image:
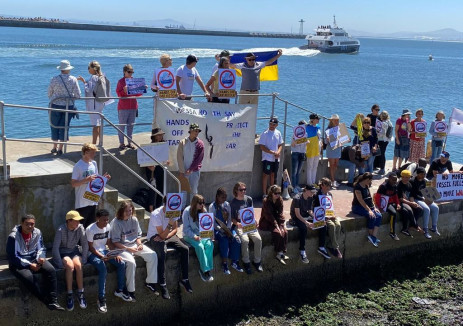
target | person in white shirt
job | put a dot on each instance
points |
(270, 143)
(186, 75)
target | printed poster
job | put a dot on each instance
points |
(299, 134)
(383, 202)
(450, 186)
(206, 225)
(95, 188)
(318, 217)
(420, 129)
(326, 201)
(441, 128)
(248, 220)
(135, 86)
(227, 83)
(165, 79)
(174, 205)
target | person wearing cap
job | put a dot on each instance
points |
(389, 189)
(26, 257)
(224, 63)
(250, 82)
(411, 211)
(313, 148)
(351, 159)
(332, 154)
(223, 54)
(190, 154)
(402, 139)
(62, 88)
(417, 141)
(270, 142)
(66, 254)
(429, 208)
(438, 138)
(440, 165)
(301, 212)
(185, 77)
(297, 159)
(85, 171)
(384, 129)
(155, 173)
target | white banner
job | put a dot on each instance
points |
(456, 122)
(227, 130)
(450, 186)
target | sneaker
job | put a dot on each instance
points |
(247, 268)
(258, 267)
(132, 296)
(208, 276)
(59, 152)
(381, 172)
(335, 184)
(435, 230)
(427, 235)
(225, 269)
(372, 240)
(54, 150)
(378, 241)
(324, 253)
(82, 301)
(203, 276)
(295, 191)
(102, 306)
(406, 233)
(152, 287)
(123, 295)
(338, 253)
(55, 306)
(394, 236)
(70, 302)
(236, 266)
(304, 259)
(121, 147)
(280, 259)
(186, 285)
(165, 292)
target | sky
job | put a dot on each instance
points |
(377, 16)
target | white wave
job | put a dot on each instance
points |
(294, 51)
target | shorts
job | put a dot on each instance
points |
(95, 119)
(270, 167)
(71, 255)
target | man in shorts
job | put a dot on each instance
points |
(270, 143)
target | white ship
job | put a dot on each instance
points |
(331, 39)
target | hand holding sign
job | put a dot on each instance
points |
(420, 129)
(95, 188)
(165, 78)
(299, 134)
(174, 205)
(248, 220)
(319, 217)
(227, 82)
(206, 225)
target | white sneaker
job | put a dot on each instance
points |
(335, 184)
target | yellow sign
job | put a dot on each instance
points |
(206, 234)
(301, 140)
(329, 213)
(227, 93)
(172, 214)
(168, 93)
(91, 196)
(249, 228)
(317, 225)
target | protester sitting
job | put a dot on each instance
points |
(239, 202)
(369, 135)
(389, 189)
(363, 205)
(351, 159)
(301, 212)
(162, 234)
(297, 158)
(413, 166)
(272, 220)
(429, 208)
(66, 254)
(97, 236)
(228, 239)
(26, 257)
(332, 224)
(437, 142)
(440, 165)
(411, 211)
(126, 235)
(204, 248)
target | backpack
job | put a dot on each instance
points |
(102, 89)
(389, 132)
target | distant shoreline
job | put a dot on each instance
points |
(138, 29)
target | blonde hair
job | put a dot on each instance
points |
(88, 147)
(127, 67)
(164, 58)
(384, 115)
(95, 65)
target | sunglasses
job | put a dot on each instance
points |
(242, 189)
(251, 59)
(201, 203)
(129, 71)
(277, 193)
(367, 123)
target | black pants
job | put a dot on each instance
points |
(392, 210)
(303, 234)
(381, 159)
(410, 216)
(49, 292)
(158, 175)
(88, 213)
(160, 247)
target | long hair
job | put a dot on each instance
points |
(222, 61)
(367, 132)
(95, 65)
(237, 186)
(278, 204)
(363, 177)
(194, 203)
(122, 207)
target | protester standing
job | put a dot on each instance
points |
(417, 140)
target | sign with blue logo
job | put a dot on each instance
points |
(165, 78)
(173, 205)
(227, 82)
(440, 127)
(318, 217)
(135, 86)
(326, 201)
(299, 134)
(248, 220)
(95, 188)
(420, 129)
(206, 225)
(383, 201)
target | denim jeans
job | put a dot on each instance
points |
(369, 163)
(436, 150)
(297, 159)
(372, 222)
(100, 266)
(348, 165)
(58, 119)
(431, 209)
(229, 247)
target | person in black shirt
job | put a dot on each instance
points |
(363, 205)
(440, 165)
(411, 211)
(389, 189)
(351, 158)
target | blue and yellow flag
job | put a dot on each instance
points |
(268, 73)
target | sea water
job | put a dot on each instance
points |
(395, 74)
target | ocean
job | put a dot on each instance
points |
(395, 74)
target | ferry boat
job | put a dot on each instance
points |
(331, 39)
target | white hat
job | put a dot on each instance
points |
(334, 117)
(65, 65)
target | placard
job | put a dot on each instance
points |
(379, 126)
(430, 193)
(318, 217)
(227, 83)
(365, 149)
(95, 189)
(450, 186)
(326, 201)
(206, 225)
(300, 134)
(420, 129)
(159, 151)
(135, 86)
(383, 202)
(337, 136)
(441, 128)
(165, 79)
(248, 220)
(174, 205)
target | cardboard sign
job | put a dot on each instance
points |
(327, 202)
(318, 217)
(135, 86)
(165, 78)
(420, 129)
(95, 188)
(383, 202)
(365, 149)
(299, 134)
(174, 205)
(206, 225)
(441, 128)
(430, 194)
(227, 82)
(337, 136)
(248, 220)
(159, 151)
(450, 186)
(379, 126)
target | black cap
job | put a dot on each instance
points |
(224, 53)
(420, 170)
(191, 58)
(310, 187)
(273, 120)
(250, 55)
(314, 116)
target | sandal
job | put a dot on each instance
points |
(130, 146)
(121, 147)
(54, 150)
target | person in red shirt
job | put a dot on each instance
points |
(389, 188)
(417, 137)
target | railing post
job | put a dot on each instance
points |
(100, 144)
(66, 131)
(323, 137)
(5, 172)
(282, 157)
(273, 104)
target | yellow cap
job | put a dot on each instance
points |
(73, 215)
(405, 173)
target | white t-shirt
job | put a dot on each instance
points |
(80, 171)
(188, 78)
(158, 218)
(271, 140)
(98, 236)
(215, 68)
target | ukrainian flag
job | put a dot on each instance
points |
(268, 73)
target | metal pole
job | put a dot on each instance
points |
(100, 143)
(323, 137)
(66, 131)
(282, 157)
(5, 174)
(273, 105)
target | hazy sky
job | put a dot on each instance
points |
(271, 15)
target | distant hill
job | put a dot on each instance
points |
(446, 34)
